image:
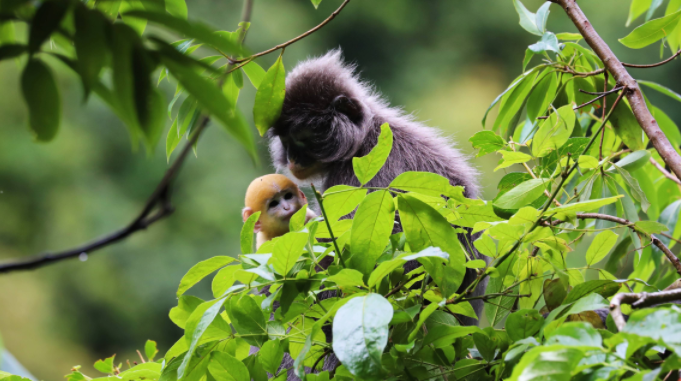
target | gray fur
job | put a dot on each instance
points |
(315, 129)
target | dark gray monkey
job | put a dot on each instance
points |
(330, 116)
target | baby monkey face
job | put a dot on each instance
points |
(281, 206)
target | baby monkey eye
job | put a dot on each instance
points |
(288, 196)
(274, 204)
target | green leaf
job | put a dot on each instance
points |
(650, 227)
(523, 323)
(316, 3)
(501, 96)
(106, 365)
(542, 96)
(426, 183)
(638, 7)
(600, 247)
(90, 41)
(443, 335)
(172, 140)
(633, 161)
(548, 42)
(512, 157)
(248, 319)
(371, 228)
(651, 32)
(347, 278)
(223, 366)
(367, 167)
(136, 23)
(247, 233)
(177, 8)
(194, 335)
(543, 16)
(213, 100)
(385, 268)
(554, 131)
(569, 36)
(487, 142)
(522, 195)
(224, 279)
(583, 206)
(40, 92)
(150, 350)
(271, 355)
(476, 264)
(667, 125)
(658, 324)
(634, 188)
(270, 97)
(360, 331)
(297, 221)
(287, 249)
(547, 363)
(255, 73)
(45, 21)
(670, 217)
(201, 270)
(664, 90)
(554, 293)
(605, 288)
(195, 30)
(627, 127)
(527, 18)
(341, 200)
(587, 162)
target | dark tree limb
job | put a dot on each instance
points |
(159, 200)
(633, 93)
(639, 300)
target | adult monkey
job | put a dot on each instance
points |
(330, 116)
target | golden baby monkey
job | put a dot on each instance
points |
(277, 198)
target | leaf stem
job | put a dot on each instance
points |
(318, 196)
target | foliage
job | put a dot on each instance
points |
(543, 288)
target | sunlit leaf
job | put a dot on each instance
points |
(366, 167)
(600, 247)
(371, 228)
(652, 31)
(270, 97)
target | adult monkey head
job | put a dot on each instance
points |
(330, 116)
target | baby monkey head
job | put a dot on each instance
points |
(323, 117)
(277, 198)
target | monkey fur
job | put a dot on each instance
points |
(330, 116)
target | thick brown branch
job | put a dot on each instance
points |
(159, 199)
(634, 95)
(639, 300)
(291, 41)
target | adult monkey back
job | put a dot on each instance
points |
(330, 116)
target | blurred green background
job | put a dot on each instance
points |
(443, 60)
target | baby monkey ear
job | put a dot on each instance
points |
(302, 197)
(347, 106)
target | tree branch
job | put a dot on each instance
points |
(291, 41)
(664, 171)
(655, 241)
(634, 95)
(639, 300)
(159, 199)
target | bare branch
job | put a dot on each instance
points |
(600, 95)
(289, 42)
(634, 95)
(159, 200)
(639, 300)
(670, 59)
(659, 244)
(664, 171)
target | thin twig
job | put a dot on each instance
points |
(159, 199)
(639, 300)
(664, 171)
(656, 241)
(602, 95)
(670, 59)
(289, 42)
